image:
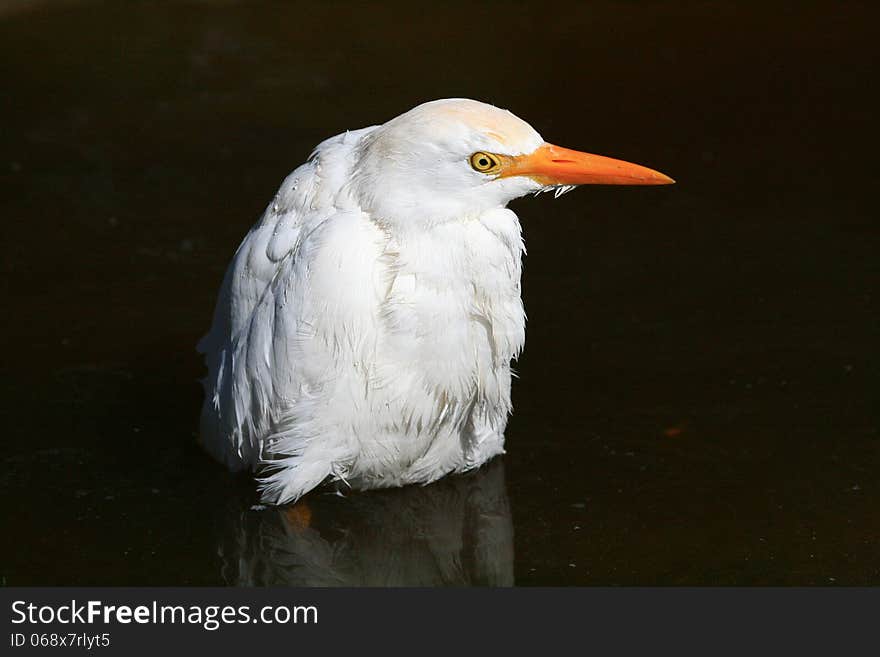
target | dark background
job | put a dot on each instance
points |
(698, 398)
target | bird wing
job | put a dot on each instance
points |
(285, 286)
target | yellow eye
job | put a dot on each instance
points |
(484, 162)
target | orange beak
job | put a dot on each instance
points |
(555, 165)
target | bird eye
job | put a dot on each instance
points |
(484, 162)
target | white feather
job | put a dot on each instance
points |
(365, 327)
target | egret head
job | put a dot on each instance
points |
(455, 158)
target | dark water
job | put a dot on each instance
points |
(698, 401)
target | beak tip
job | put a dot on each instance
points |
(662, 179)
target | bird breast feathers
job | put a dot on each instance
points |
(316, 270)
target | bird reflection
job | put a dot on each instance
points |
(455, 532)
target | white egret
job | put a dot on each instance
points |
(365, 328)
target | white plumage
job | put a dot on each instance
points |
(365, 328)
